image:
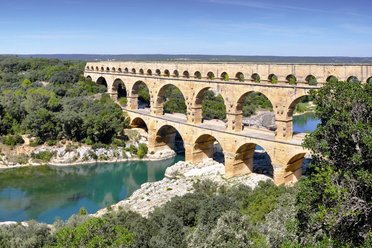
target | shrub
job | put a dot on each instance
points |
(22, 159)
(142, 150)
(123, 101)
(44, 156)
(36, 142)
(51, 142)
(133, 149)
(13, 140)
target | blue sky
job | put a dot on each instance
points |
(223, 27)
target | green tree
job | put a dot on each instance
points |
(335, 199)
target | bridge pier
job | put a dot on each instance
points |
(132, 102)
(235, 121)
(284, 129)
(196, 115)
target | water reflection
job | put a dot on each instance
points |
(44, 193)
(305, 123)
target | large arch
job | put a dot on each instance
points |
(369, 80)
(207, 146)
(353, 79)
(174, 97)
(198, 114)
(101, 81)
(293, 171)
(140, 95)
(138, 122)
(119, 89)
(168, 136)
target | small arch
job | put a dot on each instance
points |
(89, 78)
(126, 70)
(97, 69)
(101, 81)
(133, 71)
(102, 68)
(207, 146)
(331, 79)
(158, 72)
(240, 77)
(369, 80)
(113, 69)
(256, 77)
(88, 68)
(149, 72)
(141, 71)
(107, 69)
(225, 76)
(169, 136)
(197, 75)
(139, 123)
(176, 73)
(166, 73)
(291, 79)
(311, 80)
(211, 76)
(353, 79)
(186, 74)
(92, 68)
(119, 70)
(273, 78)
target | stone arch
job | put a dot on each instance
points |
(119, 89)
(186, 74)
(197, 105)
(89, 78)
(332, 78)
(141, 72)
(119, 70)
(102, 81)
(291, 79)
(273, 78)
(225, 76)
(369, 80)
(88, 68)
(162, 98)
(107, 69)
(140, 101)
(158, 72)
(211, 76)
(113, 69)
(126, 70)
(353, 79)
(149, 72)
(133, 71)
(92, 68)
(138, 122)
(97, 69)
(293, 170)
(240, 77)
(256, 77)
(197, 75)
(311, 80)
(102, 68)
(205, 146)
(176, 73)
(166, 73)
(169, 136)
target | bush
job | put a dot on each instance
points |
(36, 142)
(123, 101)
(44, 156)
(13, 140)
(133, 149)
(142, 150)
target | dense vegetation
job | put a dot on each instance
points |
(50, 100)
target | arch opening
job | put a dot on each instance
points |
(186, 74)
(256, 111)
(176, 73)
(311, 80)
(158, 72)
(353, 79)
(142, 93)
(291, 79)
(211, 76)
(119, 70)
(120, 90)
(240, 77)
(102, 83)
(149, 72)
(141, 72)
(197, 75)
(113, 69)
(207, 146)
(107, 69)
(256, 78)
(139, 123)
(273, 78)
(89, 78)
(251, 157)
(133, 71)
(225, 76)
(171, 100)
(126, 70)
(369, 80)
(295, 168)
(166, 73)
(169, 137)
(211, 106)
(332, 79)
(302, 113)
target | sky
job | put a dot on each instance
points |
(211, 27)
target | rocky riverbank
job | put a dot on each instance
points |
(178, 181)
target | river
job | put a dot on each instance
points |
(305, 123)
(46, 193)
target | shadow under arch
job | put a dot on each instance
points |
(217, 112)
(207, 146)
(138, 122)
(168, 136)
(171, 99)
(119, 88)
(140, 90)
(101, 81)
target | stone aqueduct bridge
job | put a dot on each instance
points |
(238, 143)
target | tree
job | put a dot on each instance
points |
(335, 199)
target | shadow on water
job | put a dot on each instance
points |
(46, 192)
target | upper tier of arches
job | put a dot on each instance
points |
(292, 74)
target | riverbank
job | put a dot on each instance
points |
(179, 180)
